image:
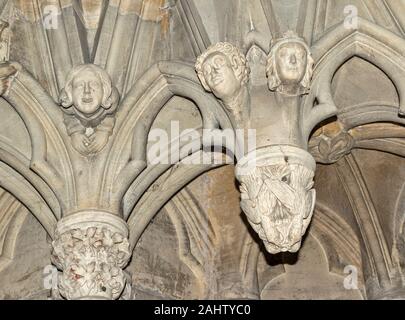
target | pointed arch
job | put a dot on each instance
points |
(138, 112)
(162, 190)
(370, 42)
(14, 183)
(43, 121)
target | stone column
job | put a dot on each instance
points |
(91, 249)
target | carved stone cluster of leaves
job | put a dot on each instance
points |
(331, 148)
(92, 260)
(278, 202)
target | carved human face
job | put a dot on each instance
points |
(220, 76)
(278, 201)
(291, 62)
(87, 92)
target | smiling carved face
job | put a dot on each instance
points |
(220, 76)
(87, 92)
(291, 63)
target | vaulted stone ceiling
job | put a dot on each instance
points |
(189, 236)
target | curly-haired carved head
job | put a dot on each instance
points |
(289, 65)
(222, 70)
(89, 91)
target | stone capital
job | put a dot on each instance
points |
(277, 195)
(91, 248)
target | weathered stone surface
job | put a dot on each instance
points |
(112, 120)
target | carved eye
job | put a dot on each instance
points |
(219, 61)
(283, 52)
(301, 54)
(95, 84)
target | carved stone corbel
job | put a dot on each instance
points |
(277, 177)
(89, 102)
(91, 248)
(277, 195)
(330, 143)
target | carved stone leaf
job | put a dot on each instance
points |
(92, 264)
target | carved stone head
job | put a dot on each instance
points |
(277, 195)
(289, 65)
(88, 92)
(222, 70)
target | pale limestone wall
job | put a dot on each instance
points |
(188, 237)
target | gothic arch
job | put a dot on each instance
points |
(17, 185)
(196, 237)
(369, 42)
(160, 192)
(12, 219)
(42, 120)
(139, 109)
(342, 243)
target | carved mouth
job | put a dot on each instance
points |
(87, 100)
